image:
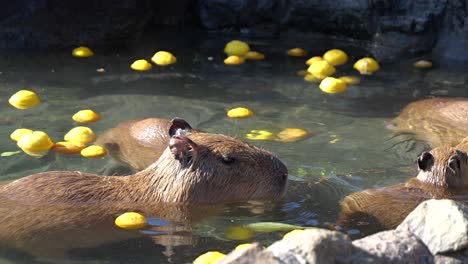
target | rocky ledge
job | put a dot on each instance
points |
(435, 232)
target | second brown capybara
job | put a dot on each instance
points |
(53, 209)
(137, 143)
(436, 121)
(443, 174)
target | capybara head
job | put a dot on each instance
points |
(445, 167)
(215, 168)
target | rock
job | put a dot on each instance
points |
(392, 247)
(454, 258)
(313, 246)
(253, 254)
(441, 224)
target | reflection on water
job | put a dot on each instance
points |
(349, 149)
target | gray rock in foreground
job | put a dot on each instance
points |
(253, 254)
(441, 224)
(313, 246)
(391, 247)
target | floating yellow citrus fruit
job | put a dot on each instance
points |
(332, 85)
(82, 135)
(234, 60)
(311, 78)
(36, 144)
(82, 52)
(253, 55)
(350, 79)
(321, 69)
(163, 58)
(93, 151)
(130, 220)
(366, 66)
(86, 116)
(239, 112)
(335, 57)
(243, 246)
(292, 134)
(314, 58)
(423, 64)
(209, 257)
(238, 233)
(65, 147)
(24, 99)
(19, 133)
(236, 47)
(296, 52)
(302, 73)
(293, 233)
(141, 65)
(260, 135)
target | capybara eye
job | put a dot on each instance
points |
(227, 159)
(454, 163)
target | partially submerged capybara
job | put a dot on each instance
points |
(437, 121)
(195, 168)
(443, 174)
(137, 143)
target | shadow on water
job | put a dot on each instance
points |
(349, 148)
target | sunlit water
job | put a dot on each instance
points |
(349, 148)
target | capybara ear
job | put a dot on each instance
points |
(183, 149)
(425, 161)
(179, 127)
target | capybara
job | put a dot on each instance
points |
(436, 121)
(443, 174)
(53, 209)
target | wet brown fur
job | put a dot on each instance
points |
(385, 208)
(437, 121)
(137, 143)
(49, 213)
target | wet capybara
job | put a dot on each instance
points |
(47, 210)
(137, 143)
(437, 121)
(443, 174)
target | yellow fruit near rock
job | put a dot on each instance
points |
(366, 66)
(292, 134)
(93, 151)
(19, 133)
(234, 60)
(65, 147)
(209, 257)
(24, 99)
(335, 57)
(130, 220)
(311, 78)
(239, 112)
(86, 116)
(141, 65)
(82, 135)
(314, 58)
(238, 233)
(423, 64)
(332, 85)
(243, 246)
(350, 79)
(260, 135)
(296, 52)
(253, 55)
(321, 69)
(293, 233)
(82, 52)
(236, 47)
(36, 144)
(163, 58)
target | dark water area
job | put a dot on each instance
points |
(349, 148)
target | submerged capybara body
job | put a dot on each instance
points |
(437, 121)
(443, 174)
(136, 143)
(198, 168)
